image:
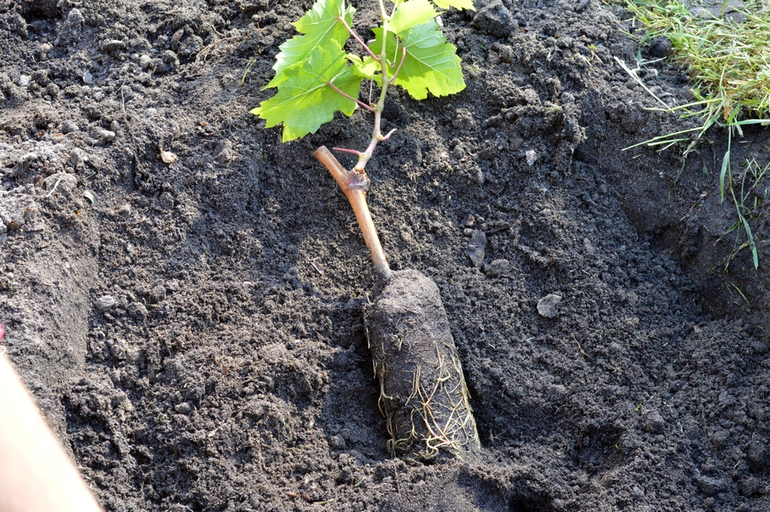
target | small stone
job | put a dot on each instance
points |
(183, 408)
(112, 45)
(168, 157)
(476, 249)
(176, 38)
(406, 233)
(52, 90)
(145, 62)
(137, 311)
(169, 58)
(75, 19)
(105, 135)
(653, 422)
(24, 80)
(76, 157)
(104, 303)
(88, 78)
(531, 156)
(497, 268)
(69, 127)
(546, 306)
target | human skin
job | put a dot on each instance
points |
(35, 472)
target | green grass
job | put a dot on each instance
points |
(728, 63)
(729, 67)
(747, 199)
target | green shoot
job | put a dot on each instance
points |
(316, 78)
(747, 204)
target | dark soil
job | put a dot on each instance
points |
(184, 294)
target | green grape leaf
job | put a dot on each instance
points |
(430, 65)
(305, 100)
(458, 4)
(411, 13)
(319, 26)
(366, 67)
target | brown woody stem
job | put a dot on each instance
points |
(354, 185)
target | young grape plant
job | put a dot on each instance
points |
(423, 393)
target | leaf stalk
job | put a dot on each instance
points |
(348, 96)
(347, 150)
(355, 36)
(395, 73)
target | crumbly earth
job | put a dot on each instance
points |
(183, 293)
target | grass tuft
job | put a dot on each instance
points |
(726, 52)
(728, 62)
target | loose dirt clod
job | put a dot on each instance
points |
(423, 394)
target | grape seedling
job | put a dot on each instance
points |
(423, 394)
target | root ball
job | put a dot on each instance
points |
(423, 394)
